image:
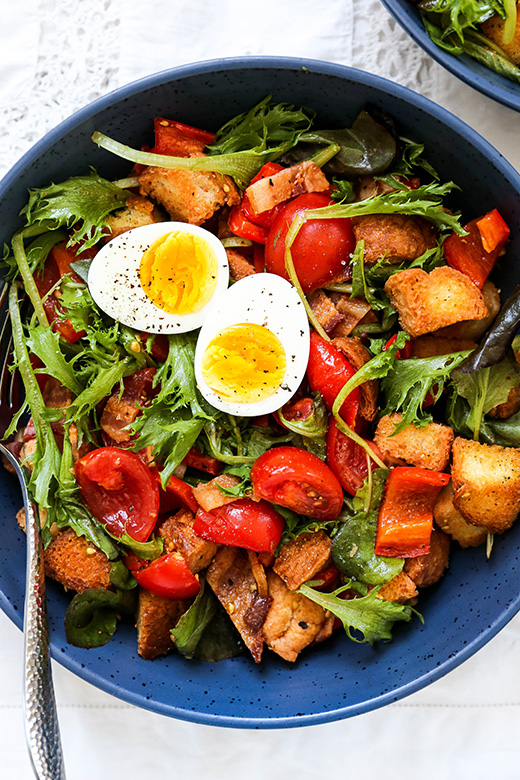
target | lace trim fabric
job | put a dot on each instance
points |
(78, 61)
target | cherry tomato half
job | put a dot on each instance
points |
(347, 459)
(327, 371)
(253, 525)
(322, 248)
(119, 490)
(298, 480)
(169, 577)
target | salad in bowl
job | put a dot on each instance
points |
(264, 413)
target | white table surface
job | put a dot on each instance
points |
(58, 56)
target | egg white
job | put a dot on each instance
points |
(115, 286)
(264, 299)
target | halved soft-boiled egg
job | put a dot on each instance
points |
(160, 278)
(253, 348)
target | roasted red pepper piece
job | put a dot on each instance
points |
(197, 460)
(244, 228)
(405, 520)
(179, 140)
(401, 354)
(328, 371)
(176, 494)
(476, 253)
(265, 218)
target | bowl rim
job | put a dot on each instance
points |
(408, 96)
(461, 67)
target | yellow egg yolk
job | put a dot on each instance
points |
(178, 272)
(244, 363)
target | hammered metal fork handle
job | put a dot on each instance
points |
(41, 717)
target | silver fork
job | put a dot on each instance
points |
(41, 717)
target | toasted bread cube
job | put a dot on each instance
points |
(426, 570)
(156, 616)
(178, 534)
(239, 266)
(486, 484)
(293, 621)
(494, 29)
(136, 212)
(189, 196)
(76, 563)
(268, 192)
(400, 589)
(394, 237)
(452, 522)
(426, 302)
(427, 448)
(474, 329)
(302, 558)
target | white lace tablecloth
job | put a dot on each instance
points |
(58, 55)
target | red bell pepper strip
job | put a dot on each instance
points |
(177, 139)
(264, 218)
(243, 227)
(56, 266)
(401, 354)
(176, 494)
(197, 460)
(476, 253)
(328, 370)
(405, 520)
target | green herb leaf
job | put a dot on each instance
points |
(81, 202)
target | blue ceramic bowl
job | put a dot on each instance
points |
(473, 601)
(466, 68)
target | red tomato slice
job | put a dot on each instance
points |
(169, 577)
(253, 525)
(347, 459)
(322, 248)
(119, 490)
(298, 480)
(328, 371)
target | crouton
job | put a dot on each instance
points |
(325, 311)
(426, 570)
(494, 29)
(400, 589)
(427, 302)
(239, 266)
(395, 237)
(189, 196)
(357, 355)
(178, 534)
(433, 346)
(293, 621)
(156, 616)
(474, 329)
(268, 192)
(231, 578)
(302, 558)
(208, 494)
(486, 484)
(428, 447)
(76, 563)
(136, 213)
(452, 522)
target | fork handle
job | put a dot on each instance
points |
(41, 717)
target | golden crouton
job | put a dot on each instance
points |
(486, 483)
(239, 266)
(136, 212)
(426, 570)
(357, 355)
(474, 329)
(394, 237)
(76, 563)
(400, 589)
(494, 29)
(426, 302)
(156, 616)
(189, 196)
(452, 522)
(268, 192)
(178, 534)
(433, 346)
(302, 558)
(427, 448)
